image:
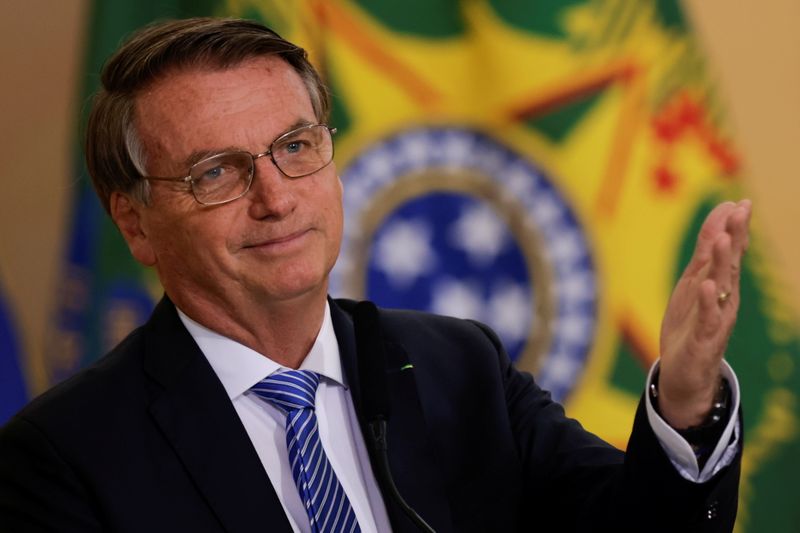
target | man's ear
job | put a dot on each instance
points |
(127, 215)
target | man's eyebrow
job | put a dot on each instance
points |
(300, 123)
(297, 124)
(199, 155)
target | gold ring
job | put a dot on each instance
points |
(723, 297)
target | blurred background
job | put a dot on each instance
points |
(541, 166)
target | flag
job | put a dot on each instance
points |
(541, 166)
(104, 293)
(13, 390)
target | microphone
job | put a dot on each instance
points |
(371, 356)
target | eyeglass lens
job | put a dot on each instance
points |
(227, 176)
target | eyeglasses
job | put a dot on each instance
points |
(224, 177)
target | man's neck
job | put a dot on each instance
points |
(284, 331)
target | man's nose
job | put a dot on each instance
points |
(272, 193)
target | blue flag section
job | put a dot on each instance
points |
(449, 220)
(13, 392)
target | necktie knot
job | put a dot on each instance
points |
(290, 390)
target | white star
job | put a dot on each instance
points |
(379, 166)
(509, 312)
(559, 370)
(576, 288)
(416, 148)
(546, 210)
(456, 149)
(355, 194)
(575, 329)
(480, 233)
(456, 298)
(404, 252)
(519, 182)
(490, 160)
(567, 247)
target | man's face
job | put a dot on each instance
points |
(277, 242)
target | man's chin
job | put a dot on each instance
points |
(293, 290)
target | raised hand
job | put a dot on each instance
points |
(700, 317)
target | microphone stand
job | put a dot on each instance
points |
(375, 401)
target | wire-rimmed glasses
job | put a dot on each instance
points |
(226, 176)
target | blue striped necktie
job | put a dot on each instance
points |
(326, 503)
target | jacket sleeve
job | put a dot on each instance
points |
(585, 484)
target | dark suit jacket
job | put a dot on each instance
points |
(146, 440)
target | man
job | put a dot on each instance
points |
(208, 147)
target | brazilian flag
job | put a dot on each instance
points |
(541, 166)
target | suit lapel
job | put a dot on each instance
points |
(411, 458)
(196, 416)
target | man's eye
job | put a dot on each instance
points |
(213, 173)
(218, 172)
(293, 147)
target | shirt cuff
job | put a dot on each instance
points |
(680, 452)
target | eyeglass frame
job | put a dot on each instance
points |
(188, 179)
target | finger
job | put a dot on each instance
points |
(748, 206)
(709, 316)
(720, 269)
(738, 228)
(714, 224)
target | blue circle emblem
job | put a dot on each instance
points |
(450, 220)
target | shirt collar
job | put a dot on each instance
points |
(239, 367)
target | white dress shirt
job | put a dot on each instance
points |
(680, 452)
(239, 368)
